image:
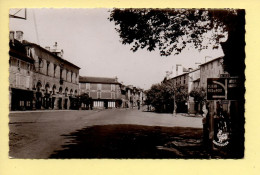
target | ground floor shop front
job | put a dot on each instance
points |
(21, 99)
(106, 103)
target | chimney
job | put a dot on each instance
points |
(11, 37)
(19, 35)
(61, 53)
(177, 69)
(190, 69)
(55, 45)
(48, 48)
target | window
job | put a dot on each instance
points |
(71, 74)
(76, 78)
(40, 64)
(18, 64)
(54, 73)
(88, 86)
(66, 74)
(113, 87)
(98, 86)
(113, 95)
(28, 66)
(61, 73)
(28, 52)
(47, 68)
(82, 86)
(98, 94)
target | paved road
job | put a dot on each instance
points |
(46, 134)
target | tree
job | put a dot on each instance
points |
(161, 97)
(172, 30)
(198, 94)
(85, 99)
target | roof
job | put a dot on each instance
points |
(103, 80)
(17, 49)
(211, 60)
(180, 75)
(198, 79)
(45, 50)
(195, 70)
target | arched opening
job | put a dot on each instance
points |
(38, 86)
(53, 96)
(71, 92)
(38, 95)
(47, 99)
(54, 89)
(60, 90)
(47, 88)
(60, 99)
(66, 99)
(66, 91)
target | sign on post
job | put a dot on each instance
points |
(222, 88)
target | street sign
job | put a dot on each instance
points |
(222, 88)
(224, 75)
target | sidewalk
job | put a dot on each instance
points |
(50, 110)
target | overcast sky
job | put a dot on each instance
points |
(90, 41)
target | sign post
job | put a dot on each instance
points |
(224, 90)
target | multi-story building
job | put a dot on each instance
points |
(55, 79)
(52, 79)
(193, 84)
(131, 96)
(211, 69)
(105, 92)
(178, 81)
(20, 74)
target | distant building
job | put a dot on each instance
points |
(194, 83)
(105, 92)
(178, 81)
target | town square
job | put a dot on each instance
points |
(126, 83)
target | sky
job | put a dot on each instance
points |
(89, 40)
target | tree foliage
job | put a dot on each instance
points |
(172, 30)
(160, 96)
(198, 94)
(85, 99)
(181, 93)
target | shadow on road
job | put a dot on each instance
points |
(133, 141)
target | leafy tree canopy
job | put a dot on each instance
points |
(199, 94)
(172, 30)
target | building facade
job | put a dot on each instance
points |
(20, 75)
(55, 79)
(211, 69)
(105, 92)
(193, 84)
(181, 81)
(52, 80)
